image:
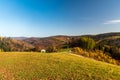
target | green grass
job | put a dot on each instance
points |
(54, 66)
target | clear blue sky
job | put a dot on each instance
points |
(58, 17)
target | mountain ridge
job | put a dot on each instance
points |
(112, 38)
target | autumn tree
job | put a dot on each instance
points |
(87, 43)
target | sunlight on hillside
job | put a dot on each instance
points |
(59, 66)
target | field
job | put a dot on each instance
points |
(54, 66)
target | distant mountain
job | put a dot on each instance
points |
(36, 43)
(59, 40)
(19, 38)
(39, 43)
(9, 44)
(104, 35)
(110, 39)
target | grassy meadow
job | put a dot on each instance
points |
(54, 66)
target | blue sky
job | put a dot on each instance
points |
(41, 18)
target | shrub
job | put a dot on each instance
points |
(83, 42)
(52, 49)
(77, 50)
(98, 55)
(115, 52)
(87, 43)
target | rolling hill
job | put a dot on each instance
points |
(40, 43)
(106, 39)
(36, 43)
(54, 66)
(9, 44)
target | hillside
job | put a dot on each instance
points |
(57, 66)
(36, 43)
(40, 43)
(105, 35)
(111, 39)
(9, 44)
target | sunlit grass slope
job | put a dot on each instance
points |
(54, 66)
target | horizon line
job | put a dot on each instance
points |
(56, 35)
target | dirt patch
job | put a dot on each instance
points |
(76, 55)
(6, 74)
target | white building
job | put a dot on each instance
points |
(43, 51)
